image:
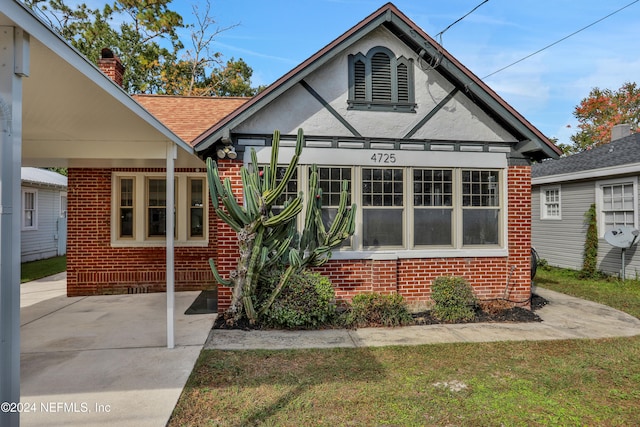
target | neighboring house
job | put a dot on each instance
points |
(438, 164)
(43, 214)
(563, 191)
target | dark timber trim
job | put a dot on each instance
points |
(431, 113)
(329, 108)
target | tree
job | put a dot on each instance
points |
(144, 25)
(602, 110)
(146, 41)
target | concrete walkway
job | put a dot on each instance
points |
(564, 317)
(102, 360)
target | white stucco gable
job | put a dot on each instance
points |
(383, 81)
(458, 119)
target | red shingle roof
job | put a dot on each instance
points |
(189, 116)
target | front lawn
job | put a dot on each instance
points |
(568, 383)
(45, 267)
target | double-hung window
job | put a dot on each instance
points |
(550, 207)
(29, 209)
(433, 207)
(139, 209)
(480, 207)
(616, 203)
(383, 207)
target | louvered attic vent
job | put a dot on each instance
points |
(378, 81)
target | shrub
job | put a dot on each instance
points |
(454, 299)
(378, 310)
(308, 301)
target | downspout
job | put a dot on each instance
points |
(170, 207)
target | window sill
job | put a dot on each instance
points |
(157, 244)
(396, 107)
(423, 253)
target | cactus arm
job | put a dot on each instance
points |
(275, 147)
(211, 176)
(229, 220)
(274, 193)
(288, 213)
(234, 209)
(216, 274)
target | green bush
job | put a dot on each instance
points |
(377, 310)
(308, 301)
(454, 299)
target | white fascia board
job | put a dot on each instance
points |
(587, 174)
(37, 29)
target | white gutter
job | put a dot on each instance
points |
(587, 174)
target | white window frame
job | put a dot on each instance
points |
(140, 223)
(408, 159)
(64, 205)
(600, 200)
(544, 203)
(34, 216)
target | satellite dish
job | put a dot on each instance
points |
(622, 237)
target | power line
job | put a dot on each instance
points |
(460, 19)
(558, 41)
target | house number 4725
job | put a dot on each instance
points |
(383, 158)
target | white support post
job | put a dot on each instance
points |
(14, 64)
(171, 154)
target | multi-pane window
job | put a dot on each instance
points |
(156, 207)
(29, 209)
(139, 209)
(550, 203)
(380, 81)
(480, 207)
(330, 181)
(382, 207)
(433, 207)
(290, 192)
(618, 205)
(125, 209)
(196, 207)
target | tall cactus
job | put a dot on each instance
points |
(267, 239)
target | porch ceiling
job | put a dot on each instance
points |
(75, 116)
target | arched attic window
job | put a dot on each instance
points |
(379, 81)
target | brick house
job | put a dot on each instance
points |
(438, 164)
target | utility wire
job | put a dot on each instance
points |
(556, 42)
(460, 19)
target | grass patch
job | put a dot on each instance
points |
(529, 383)
(611, 291)
(42, 268)
(577, 382)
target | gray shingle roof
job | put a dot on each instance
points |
(623, 151)
(42, 177)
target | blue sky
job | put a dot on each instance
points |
(274, 36)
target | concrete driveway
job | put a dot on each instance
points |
(102, 360)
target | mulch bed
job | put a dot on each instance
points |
(497, 311)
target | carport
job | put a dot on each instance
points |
(58, 109)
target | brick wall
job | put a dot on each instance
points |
(94, 267)
(491, 277)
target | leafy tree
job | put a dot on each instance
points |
(600, 111)
(144, 25)
(146, 40)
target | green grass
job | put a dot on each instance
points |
(624, 296)
(46, 267)
(568, 383)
